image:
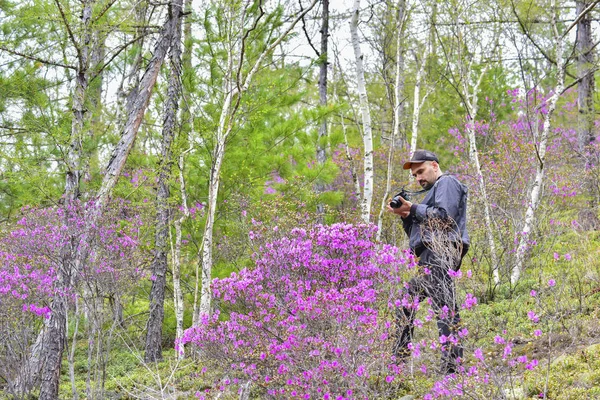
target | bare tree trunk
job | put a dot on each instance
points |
(472, 107)
(77, 125)
(72, 353)
(367, 193)
(136, 112)
(186, 124)
(585, 102)
(534, 196)
(55, 336)
(53, 348)
(177, 292)
(153, 349)
(398, 107)
(321, 153)
(417, 103)
(129, 85)
(586, 87)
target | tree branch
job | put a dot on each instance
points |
(576, 81)
(306, 33)
(579, 17)
(33, 58)
(69, 31)
(243, 49)
(104, 10)
(526, 32)
(116, 53)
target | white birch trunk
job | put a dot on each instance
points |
(367, 194)
(207, 239)
(176, 257)
(235, 89)
(474, 157)
(536, 189)
(417, 105)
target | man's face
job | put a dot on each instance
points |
(426, 173)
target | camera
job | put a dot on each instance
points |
(396, 202)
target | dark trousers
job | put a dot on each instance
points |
(438, 285)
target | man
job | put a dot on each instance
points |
(438, 236)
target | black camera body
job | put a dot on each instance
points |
(396, 202)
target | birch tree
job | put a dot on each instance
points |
(323, 66)
(176, 257)
(367, 192)
(238, 74)
(467, 83)
(541, 138)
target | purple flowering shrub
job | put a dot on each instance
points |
(312, 319)
(508, 157)
(46, 239)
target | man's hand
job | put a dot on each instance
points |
(403, 210)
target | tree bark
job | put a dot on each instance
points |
(71, 357)
(153, 349)
(367, 193)
(74, 156)
(54, 337)
(585, 102)
(585, 89)
(398, 107)
(536, 188)
(136, 112)
(186, 124)
(472, 108)
(321, 152)
(54, 345)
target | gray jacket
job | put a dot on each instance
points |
(446, 201)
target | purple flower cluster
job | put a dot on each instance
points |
(47, 239)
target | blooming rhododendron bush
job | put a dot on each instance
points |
(30, 253)
(311, 319)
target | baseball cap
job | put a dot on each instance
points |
(420, 156)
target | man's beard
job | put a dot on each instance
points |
(426, 185)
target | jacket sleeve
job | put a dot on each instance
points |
(446, 202)
(407, 224)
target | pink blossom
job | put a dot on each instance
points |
(478, 354)
(533, 316)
